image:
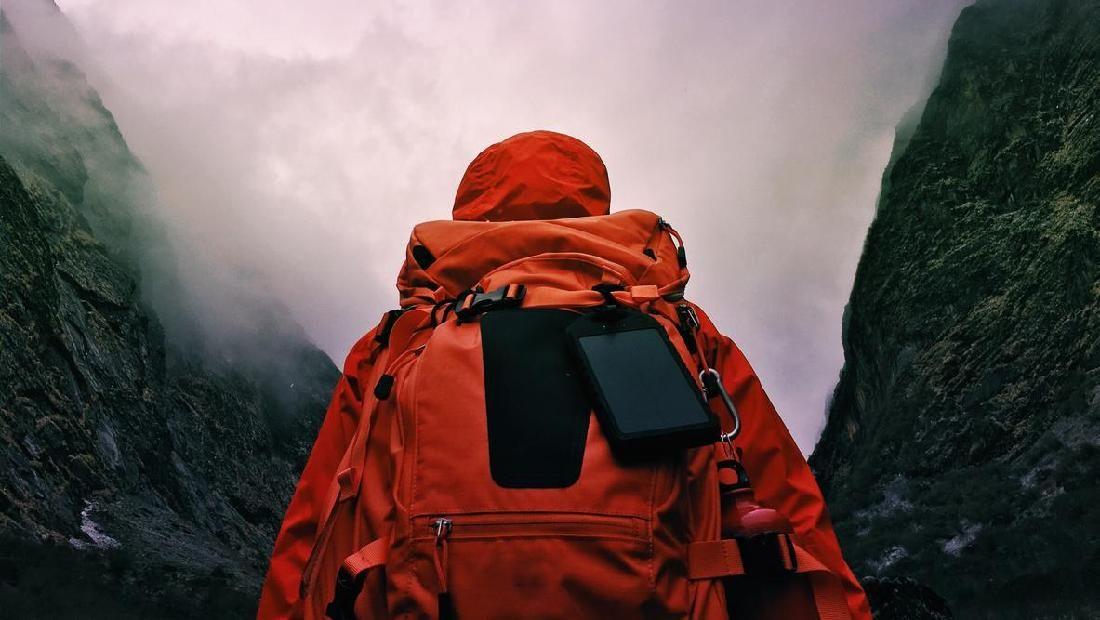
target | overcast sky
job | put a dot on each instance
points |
(295, 144)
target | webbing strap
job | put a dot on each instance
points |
(350, 470)
(723, 558)
(543, 296)
(402, 333)
(551, 297)
(713, 559)
(829, 597)
(371, 555)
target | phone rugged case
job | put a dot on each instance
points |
(645, 398)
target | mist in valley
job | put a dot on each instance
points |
(289, 148)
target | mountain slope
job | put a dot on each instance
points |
(963, 441)
(142, 475)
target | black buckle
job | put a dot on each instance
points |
(768, 554)
(610, 311)
(507, 296)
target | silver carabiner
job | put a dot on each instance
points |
(715, 385)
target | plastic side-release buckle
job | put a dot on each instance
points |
(507, 296)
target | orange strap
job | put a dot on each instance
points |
(722, 558)
(371, 555)
(542, 296)
(551, 297)
(829, 597)
(346, 484)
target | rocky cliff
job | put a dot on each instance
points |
(963, 440)
(142, 474)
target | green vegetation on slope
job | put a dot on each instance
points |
(139, 475)
(963, 441)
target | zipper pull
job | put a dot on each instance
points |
(441, 527)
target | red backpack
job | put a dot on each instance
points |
(475, 482)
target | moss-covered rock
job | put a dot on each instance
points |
(961, 443)
(139, 476)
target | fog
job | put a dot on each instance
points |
(292, 146)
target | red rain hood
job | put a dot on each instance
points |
(538, 175)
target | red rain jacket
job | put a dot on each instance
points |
(546, 175)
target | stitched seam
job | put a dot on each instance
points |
(652, 525)
(727, 563)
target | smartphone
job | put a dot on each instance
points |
(646, 400)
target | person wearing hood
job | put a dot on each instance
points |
(555, 185)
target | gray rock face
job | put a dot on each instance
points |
(963, 441)
(140, 476)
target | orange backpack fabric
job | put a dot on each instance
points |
(397, 515)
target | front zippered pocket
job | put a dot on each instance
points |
(532, 524)
(550, 564)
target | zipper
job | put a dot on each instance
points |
(529, 525)
(441, 528)
(444, 529)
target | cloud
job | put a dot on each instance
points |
(294, 145)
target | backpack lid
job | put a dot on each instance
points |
(445, 258)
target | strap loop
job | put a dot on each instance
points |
(644, 292)
(371, 555)
(346, 480)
